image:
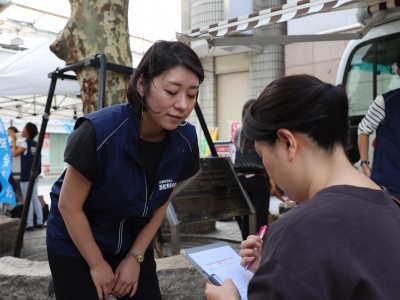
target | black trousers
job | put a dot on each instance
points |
(72, 280)
(258, 189)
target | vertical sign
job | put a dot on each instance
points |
(7, 193)
(234, 126)
(204, 149)
(46, 154)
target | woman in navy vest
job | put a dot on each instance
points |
(123, 163)
(27, 151)
(383, 118)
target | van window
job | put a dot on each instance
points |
(371, 72)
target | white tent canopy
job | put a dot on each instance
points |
(24, 85)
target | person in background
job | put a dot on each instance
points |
(123, 164)
(342, 241)
(16, 162)
(255, 181)
(26, 151)
(383, 117)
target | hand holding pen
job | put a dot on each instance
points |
(251, 247)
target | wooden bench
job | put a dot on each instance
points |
(214, 193)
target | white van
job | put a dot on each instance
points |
(368, 69)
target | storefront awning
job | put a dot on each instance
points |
(280, 14)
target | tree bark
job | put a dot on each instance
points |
(3, 7)
(97, 27)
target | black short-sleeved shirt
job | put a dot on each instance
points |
(81, 154)
(81, 150)
(342, 244)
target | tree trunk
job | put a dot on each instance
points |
(3, 6)
(97, 27)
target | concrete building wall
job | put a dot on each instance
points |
(264, 63)
(203, 13)
(232, 76)
(320, 59)
(269, 64)
(265, 67)
(207, 96)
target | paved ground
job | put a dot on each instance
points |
(34, 245)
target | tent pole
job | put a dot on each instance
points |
(35, 164)
(102, 79)
(205, 130)
(46, 115)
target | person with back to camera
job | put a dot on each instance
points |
(342, 241)
(383, 117)
(254, 179)
(26, 150)
(123, 163)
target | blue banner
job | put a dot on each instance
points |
(7, 194)
(68, 125)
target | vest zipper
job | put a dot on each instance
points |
(145, 209)
(120, 231)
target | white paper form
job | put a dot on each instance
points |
(223, 262)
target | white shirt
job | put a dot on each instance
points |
(16, 160)
(374, 116)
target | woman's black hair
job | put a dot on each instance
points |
(160, 57)
(13, 128)
(301, 103)
(246, 106)
(31, 129)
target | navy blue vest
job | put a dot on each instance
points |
(27, 160)
(119, 204)
(386, 164)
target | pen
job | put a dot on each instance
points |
(214, 279)
(260, 234)
(279, 196)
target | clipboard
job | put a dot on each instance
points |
(217, 262)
